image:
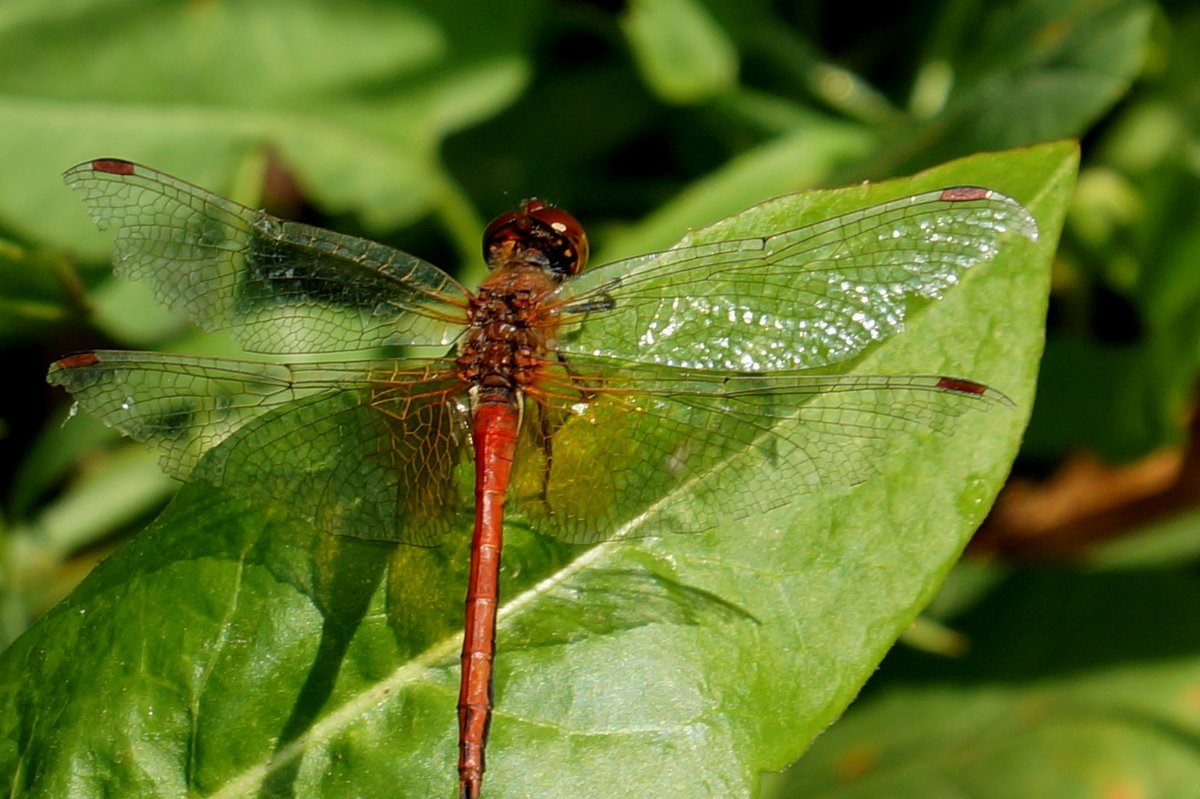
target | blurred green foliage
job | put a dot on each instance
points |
(415, 122)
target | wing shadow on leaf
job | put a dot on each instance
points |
(617, 600)
(346, 574)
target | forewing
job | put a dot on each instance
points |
(278, 287)
(667, 455)
(366, 449)
(799, 298)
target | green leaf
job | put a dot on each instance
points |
(1076, 686)
(1034, 71)
(33, 290)
(682, 53)
(782, 165)
(231, 651)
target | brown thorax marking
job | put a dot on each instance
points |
(510, 331)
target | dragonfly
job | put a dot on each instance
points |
(574, 397)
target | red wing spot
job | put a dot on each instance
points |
(963, 193)
(77, 360)
(114, 165)
(962, 386)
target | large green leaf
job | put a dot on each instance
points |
(230, 651)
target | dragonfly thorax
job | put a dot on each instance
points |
(510, 329)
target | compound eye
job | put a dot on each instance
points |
(568, 245)
(537, 234)
(497, 229)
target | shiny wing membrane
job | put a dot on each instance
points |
(662, 456)
(279, 287)
(370, 449)
(800, 298)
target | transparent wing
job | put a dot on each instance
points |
(648, 450)
(370, 449)
(279, 287)
(796, 299)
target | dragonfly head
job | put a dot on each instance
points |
(536, 235)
